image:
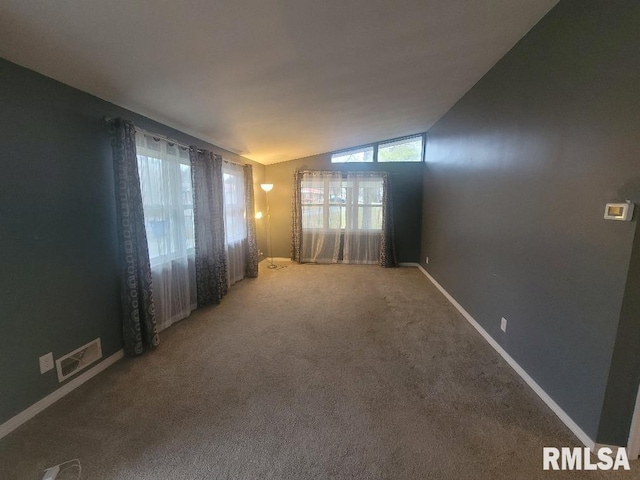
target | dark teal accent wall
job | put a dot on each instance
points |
(517, 177)
(58, 251)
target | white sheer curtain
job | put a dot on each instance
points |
(363, 230)
(165, 181)
(322, 198)
(235, 222)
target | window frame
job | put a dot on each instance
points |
(327, 204)
(237, 207)
(376, 146)
(178, 210)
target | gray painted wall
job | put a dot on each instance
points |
(624, 376)
(58, 252)
(406, 182)
(517, 176)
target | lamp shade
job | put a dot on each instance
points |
(266, 186)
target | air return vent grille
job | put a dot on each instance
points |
(78, 360)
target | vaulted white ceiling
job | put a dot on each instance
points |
(272, 80)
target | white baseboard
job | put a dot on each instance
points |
(633, 445)
(13, 423)
(598, 446)
(562, 415)
(276, 259)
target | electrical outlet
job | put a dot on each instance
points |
(427, 260)
(46, 362)
(503, 324)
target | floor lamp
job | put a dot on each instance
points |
(267, 187)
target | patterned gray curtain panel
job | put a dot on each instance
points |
(388, 244)
(208, 213)
(139, 321)
(296, 218)
(252, 243)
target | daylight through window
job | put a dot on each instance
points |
(167, 197)
(331, 203)
(405, 149)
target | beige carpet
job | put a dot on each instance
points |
(308, 372)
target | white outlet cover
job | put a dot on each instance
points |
(503, 324)
(46, 362)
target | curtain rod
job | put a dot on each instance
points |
(344, 173)
(234, 163)
(161, 137)
(175, 142)
(172, 141)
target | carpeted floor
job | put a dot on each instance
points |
(308, 372)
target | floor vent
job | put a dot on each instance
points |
(78, 360)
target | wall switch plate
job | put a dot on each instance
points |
(46, 362)
(503, 324)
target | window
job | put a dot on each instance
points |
(355, 155)
(235, 221)
(323, 202)
(402, 150)
(234, 208)
(367, 204)
(405, 149)
(334, 203)
(340, 217)
(167, 198)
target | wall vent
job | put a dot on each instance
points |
(78, 360)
